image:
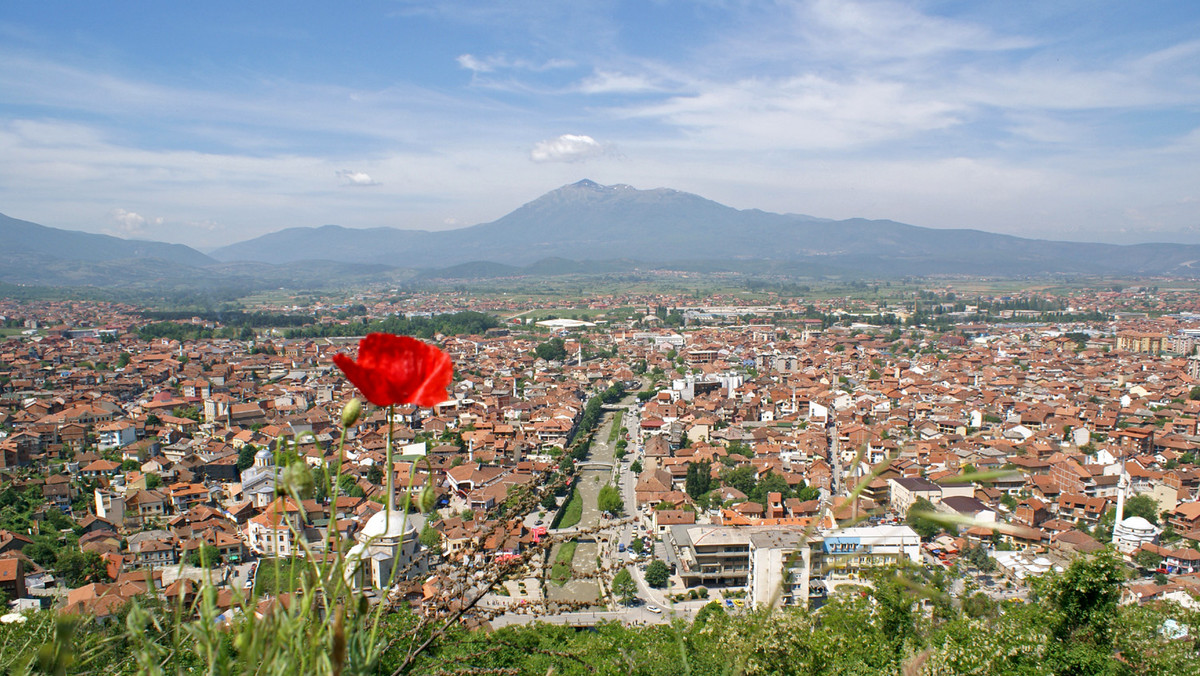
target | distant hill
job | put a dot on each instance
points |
(586, 221)
(31, 239)
(582, 228)
(35, 254)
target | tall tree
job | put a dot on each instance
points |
(624, 587)
(1083, 614)
(205, 556)
(699, 478)
(741, 478)
(552, 350)
(770, 483)
(246, 457)
(431, 538)
(610, 500)
(657, 574)
(927, 528)
(80, 568)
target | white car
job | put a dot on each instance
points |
(654, 609)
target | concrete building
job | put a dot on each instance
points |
(905, 491)
(110, 506)
(1138, 341)
(713, 556)
(780, 565)
(274, 531)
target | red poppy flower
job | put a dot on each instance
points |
(398, 370)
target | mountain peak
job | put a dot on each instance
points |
(587, 184)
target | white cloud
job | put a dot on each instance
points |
(130, 223)
(356, 178)
(566, 148)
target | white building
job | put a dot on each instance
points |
(779, 568)
(110, 506)
(1132, 533)
(781, 565)
(387, 551)
(115, 435)
(258, 480)
(848, 551)
(273, 533)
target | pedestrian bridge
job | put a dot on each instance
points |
(591, 531)
(579, 620)
(594, 464)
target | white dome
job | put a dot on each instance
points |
(1137, 523)
(383, 525)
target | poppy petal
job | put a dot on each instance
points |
(398, 370)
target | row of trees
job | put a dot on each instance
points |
(458, 323)
(593, 411)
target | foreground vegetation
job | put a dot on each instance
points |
(900, 625)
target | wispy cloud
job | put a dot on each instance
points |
(496, 62)
(604, 82)
(890, 30)
(803, 112)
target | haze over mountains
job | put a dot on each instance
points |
(587, 227)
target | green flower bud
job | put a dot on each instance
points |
(350, 412)
(244, 641)
(426, 499)
(298, 478)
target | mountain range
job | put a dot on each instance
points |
(588, 227)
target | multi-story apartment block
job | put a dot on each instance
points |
(1140, 341)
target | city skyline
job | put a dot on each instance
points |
(206, 126)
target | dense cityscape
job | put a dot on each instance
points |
(628, 459)
(600, 338)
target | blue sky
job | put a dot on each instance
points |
(208, 123)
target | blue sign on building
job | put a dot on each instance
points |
(841, 544)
